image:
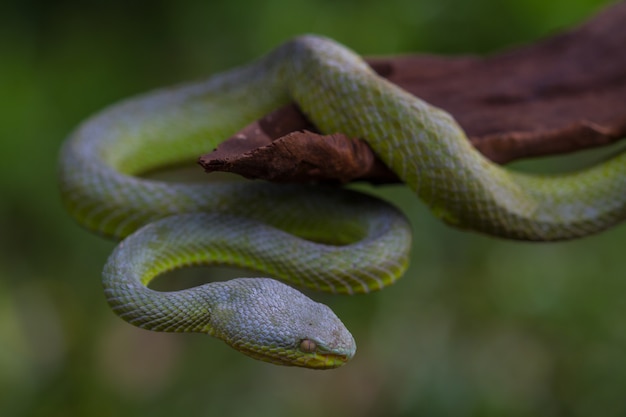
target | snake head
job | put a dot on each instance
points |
(272, 322)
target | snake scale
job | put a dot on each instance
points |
(323, 238)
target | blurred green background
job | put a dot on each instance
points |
(477, 327)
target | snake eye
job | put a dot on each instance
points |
(308, 346)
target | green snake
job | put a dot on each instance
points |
(328, 239)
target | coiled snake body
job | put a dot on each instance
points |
(326, 239)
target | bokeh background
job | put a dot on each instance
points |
(477, 327)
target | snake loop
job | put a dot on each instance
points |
(326, 239)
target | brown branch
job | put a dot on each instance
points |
(559, 95)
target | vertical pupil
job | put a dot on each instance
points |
(307, 346)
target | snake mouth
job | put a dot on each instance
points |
(316, 360)
(324, 360)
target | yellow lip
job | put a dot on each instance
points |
(317, 360)
(323, 360)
